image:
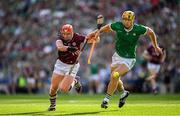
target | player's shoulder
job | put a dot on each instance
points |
(139, 26)
(78, 35)
(117, 23)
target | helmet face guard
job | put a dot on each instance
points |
(67, 28)
(128, 15)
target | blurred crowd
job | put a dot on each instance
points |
(29, 29)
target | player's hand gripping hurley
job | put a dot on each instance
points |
(100, 21)
(82, 48)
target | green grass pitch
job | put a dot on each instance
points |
(89, 105)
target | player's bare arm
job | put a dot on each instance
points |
(163, 56)
(106, 28)
(91, 37)
(60, 46)
(146, 55)
(153, 38)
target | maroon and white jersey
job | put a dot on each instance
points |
(156, 59)
(67, 56)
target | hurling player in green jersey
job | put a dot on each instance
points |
(124, 58)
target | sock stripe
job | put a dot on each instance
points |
(53, 96)
(52, 99)
(108, 96)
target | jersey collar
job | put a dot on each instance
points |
(128, 30)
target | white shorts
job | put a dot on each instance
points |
(129, 62)
(63, 69)
(31, 81)
(94, 77)
(155, 67)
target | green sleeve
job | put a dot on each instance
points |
(142, 29)
(115, 26)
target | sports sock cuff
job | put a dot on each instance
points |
(108, 96)
(52, 96)
(106, 99)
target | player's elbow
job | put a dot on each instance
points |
(150, 31)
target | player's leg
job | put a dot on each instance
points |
(93, 83)
(152, 80)
(71, 80)
(124, 92)
(112, 86)
(56, 79)
(123, 66)
(153, 70)
(66, 83)
(122, 69)
(76, 83)
(120, 86)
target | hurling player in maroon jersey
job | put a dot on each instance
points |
(154, 62)
(68, 46)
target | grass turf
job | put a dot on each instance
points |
(137, 105)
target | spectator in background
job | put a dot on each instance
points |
(94, 79)
(31, 83)
(154, 62)
(4, 83)
(22, 84)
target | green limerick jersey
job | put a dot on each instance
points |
(126, 41)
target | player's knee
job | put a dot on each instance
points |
(115, 75)
(52, 91)
(63, 89)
